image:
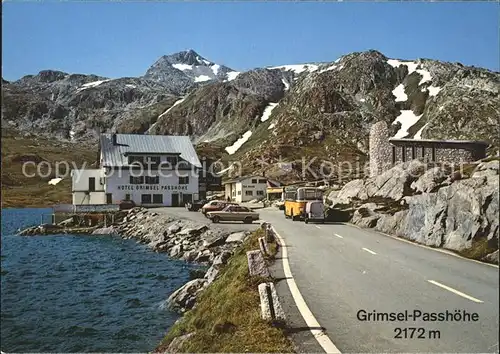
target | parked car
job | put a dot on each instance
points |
(315, 211)
(126, 204)
(195, 205)
(215, 205)
(234, 213)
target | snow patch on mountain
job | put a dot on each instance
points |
(202, 78)
(183, 67)
(175, 104)
(426, 76)
(433, 90)
(296, 68)
(407, 119)
(418, 135)
(287, 85)
(267, 112)
(411, 65)
(92, 84)
(238, 143)
(215, 68)
(400, 94)
(329, 68)
(232, 75)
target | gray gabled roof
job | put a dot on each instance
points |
(114, 155)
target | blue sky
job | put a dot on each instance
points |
(117, 39)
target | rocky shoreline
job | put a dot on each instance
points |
(437, 206)
(204, 244)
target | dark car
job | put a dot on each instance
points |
(126, 204)
(196, 205)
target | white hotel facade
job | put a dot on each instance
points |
(151, 170)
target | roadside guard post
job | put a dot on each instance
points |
(270, 306)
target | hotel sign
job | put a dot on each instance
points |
(153, 187)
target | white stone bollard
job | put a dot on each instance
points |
(270, 306)
(257, 264)
(263, 246)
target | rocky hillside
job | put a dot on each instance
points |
(268, 117)
(77, 106)
(434, 206)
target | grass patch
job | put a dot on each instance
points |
(19, 190)
(226, 318)
(480, 248)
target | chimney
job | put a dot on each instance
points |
(113, 139)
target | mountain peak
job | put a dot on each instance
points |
(187, 66)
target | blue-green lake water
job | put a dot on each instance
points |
(81, 293)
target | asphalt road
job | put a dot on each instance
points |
(183, 213)
(341, 270)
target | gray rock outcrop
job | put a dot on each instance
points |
(429, 207)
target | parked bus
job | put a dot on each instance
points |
(296, 199)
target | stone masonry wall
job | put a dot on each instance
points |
(380, 149)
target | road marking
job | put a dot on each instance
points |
(338, 236)
(450, 253)
(322, 338)
(454, 291)
(317, 227)
(367, 250)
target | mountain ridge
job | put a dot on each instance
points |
(271, 113)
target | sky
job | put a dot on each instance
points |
(119, 39)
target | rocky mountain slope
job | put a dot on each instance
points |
(77, 106)
(268, 117)
(435, 206)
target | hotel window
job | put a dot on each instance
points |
(184, 180)
(262, 181)
(135, 160)
(152, 179)
(403, 153)
(250, 193)
(423, 152)
(136, 179)
(153, 161)
(239, 192)
(145, 198)
(260, 192)
(157, 198)
(172, 160)
(254, 181)
(127, 196)
(413, 152)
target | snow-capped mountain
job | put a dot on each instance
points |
(187, 67)
(274, 114)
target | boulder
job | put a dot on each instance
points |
(366, 216)
(184, 298)
(176, 251)
(211, 274)
(491, 258)
(237, 237)
(176, 344)
(431, 180)
(214, 241)
(222, 258)
(174, 228)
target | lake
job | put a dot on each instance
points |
(81, 293)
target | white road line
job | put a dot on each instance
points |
(454, 291)
(367, 250)
(317, 227)
(440, 250)
(338, 236)
(322, 338)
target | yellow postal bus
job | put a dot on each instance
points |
(296, 199)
